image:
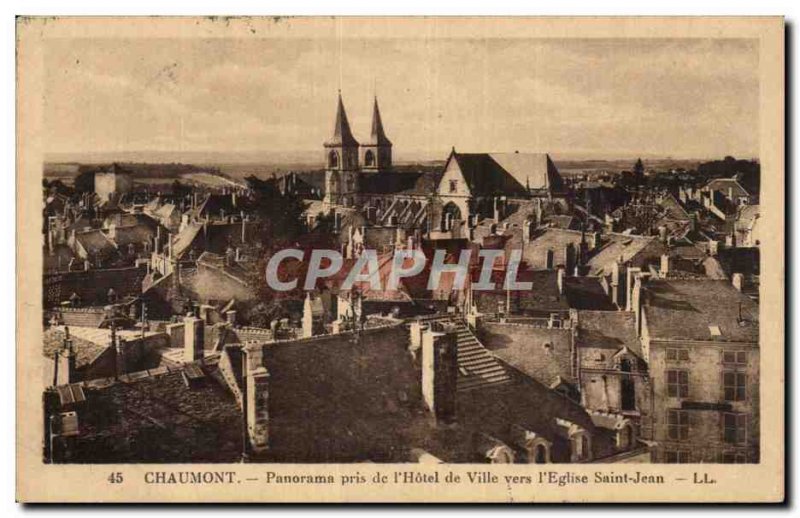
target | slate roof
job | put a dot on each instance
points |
(532, 356)
(611, 330)
(684, 310)
(484, 176)
(586, 293)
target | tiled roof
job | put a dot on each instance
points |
(135, 234)
(155, 417)
(687, 309)
(85, 350)
(619, 245)
(95, 242)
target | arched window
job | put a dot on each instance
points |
(333, 159)
(369, 158)
(450, 215)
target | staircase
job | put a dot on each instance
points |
(477, 366)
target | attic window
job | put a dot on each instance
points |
(714, 330)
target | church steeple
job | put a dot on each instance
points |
(377, 152)
(378, 137)
(342, 148)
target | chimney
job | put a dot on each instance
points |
(526, 231)
(664, 270)
(560, 280)
(713, 248)
(569, 257)
(440, 373)
(65, 364)
(496, 211)
(693, 222)
(308, 317)
(417, 331)
(230, 316)
(738, 281)
(662, 233)
(627, 288)
(193, 338)
(636, 301)
(256, 404)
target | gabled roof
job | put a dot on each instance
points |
(619, 245)
(342, 136)
(95, 242)
(377, 136)
(507, 173)
(723, 184)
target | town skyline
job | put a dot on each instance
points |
(585, 98)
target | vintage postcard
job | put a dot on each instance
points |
(344, 259)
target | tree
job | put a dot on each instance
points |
(282, 225)
(84, 182)
(638, 171)
(180, 190)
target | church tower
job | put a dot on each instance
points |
(376, 154)
(341, 162)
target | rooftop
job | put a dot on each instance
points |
(685, 310)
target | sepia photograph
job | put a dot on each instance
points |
(406, 242)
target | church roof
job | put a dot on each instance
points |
(377, 136)
(342, 136)
(508, 173)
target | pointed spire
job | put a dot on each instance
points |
(378, 136)
(342, 136)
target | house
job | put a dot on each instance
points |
(373, 395)
(611, 369)
(700, 338)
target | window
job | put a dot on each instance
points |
(677, 457)
(453, 185)
(734, 428)
(677, 383)
(677, 425)
(733, 384)
(735, 357)
(677, 355)
(369, 158)
(733, 457)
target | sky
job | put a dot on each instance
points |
(687, 98)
